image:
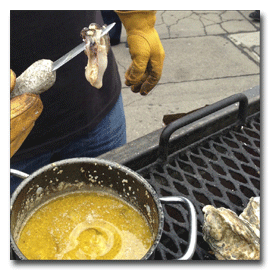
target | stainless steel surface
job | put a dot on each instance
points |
(107, 29)
(67, 57)
(193, 223)
(77, 50)
(18, 173)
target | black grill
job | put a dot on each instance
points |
(210, 161)
(223, 172)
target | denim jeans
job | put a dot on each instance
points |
(109, 134)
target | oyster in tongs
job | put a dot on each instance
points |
(233, 237)
(96, 49)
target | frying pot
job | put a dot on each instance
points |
(91, 174)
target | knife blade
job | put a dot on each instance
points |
(77, 50)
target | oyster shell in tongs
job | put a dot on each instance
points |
(233, 237)
(96, 49)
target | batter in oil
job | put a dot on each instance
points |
(85, 226)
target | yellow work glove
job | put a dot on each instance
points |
(146, 50)
(24, 111)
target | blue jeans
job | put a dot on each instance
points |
(109, 134)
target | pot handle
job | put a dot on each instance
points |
(18, 173)
(193, 223)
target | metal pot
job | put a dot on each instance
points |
(88, 174)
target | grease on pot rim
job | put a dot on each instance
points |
(85, 225)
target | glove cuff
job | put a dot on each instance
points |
(138, 20)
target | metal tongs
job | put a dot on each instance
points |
(77, 50)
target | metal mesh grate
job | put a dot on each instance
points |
(223, 171)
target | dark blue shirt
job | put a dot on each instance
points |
(72, 106)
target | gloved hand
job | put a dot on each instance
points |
(146, 50)
(24, 111)
(12, 80)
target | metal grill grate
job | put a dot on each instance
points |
(223, 171)
(216, 164)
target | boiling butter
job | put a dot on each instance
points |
(85, 226)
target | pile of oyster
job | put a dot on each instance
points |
(233, 237)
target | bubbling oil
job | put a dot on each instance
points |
(85, 226)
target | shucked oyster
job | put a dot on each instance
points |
(232, 237)
(96, 50)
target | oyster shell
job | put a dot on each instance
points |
(232, 237)
(251, 214)
(96, 49)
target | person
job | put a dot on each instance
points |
(110, 16)
(78, 120)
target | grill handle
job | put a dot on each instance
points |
(199, 114)
(193, 223)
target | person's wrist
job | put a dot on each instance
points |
(137, 20)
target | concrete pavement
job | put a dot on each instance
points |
(209, 55)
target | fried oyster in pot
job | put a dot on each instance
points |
(96, 49)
